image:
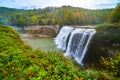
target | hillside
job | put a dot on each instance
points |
(5, 14)
(105, 48)
(115, 15)
(19, 62)
(65, 15)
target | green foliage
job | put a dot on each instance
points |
(115, 26)
(18, 61)
(65, 15)
(6, 13)
(115, 15)
(110, 33)
(112, 63)
(53, 66)
(106, 39)
(105, 51)
(93, 74)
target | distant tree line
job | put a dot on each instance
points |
(65, 15)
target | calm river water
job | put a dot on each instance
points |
(46, 44)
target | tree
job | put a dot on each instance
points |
(115, 15)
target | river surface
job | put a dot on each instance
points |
(37, 43)
(46, 44)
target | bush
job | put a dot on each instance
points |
(112, 64)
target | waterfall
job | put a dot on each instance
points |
(74, 41)
(61, 39)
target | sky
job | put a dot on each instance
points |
(34, 4)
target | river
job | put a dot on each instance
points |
(46, 44)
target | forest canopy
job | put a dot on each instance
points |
(65, 15)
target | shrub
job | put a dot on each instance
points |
(112, 63)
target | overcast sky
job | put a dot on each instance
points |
(31, 4)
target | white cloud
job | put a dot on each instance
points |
(91, 4)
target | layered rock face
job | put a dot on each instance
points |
(42, 31)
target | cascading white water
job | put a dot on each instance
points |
(61, 39)
(74, 41)
(78, 43)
